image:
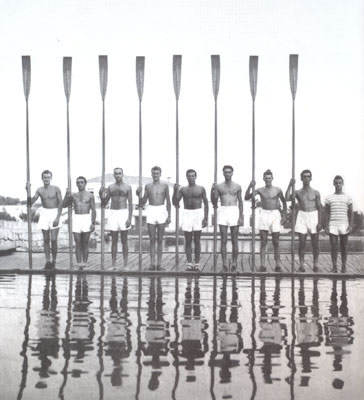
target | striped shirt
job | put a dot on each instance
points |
(339, 206)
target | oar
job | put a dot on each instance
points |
(103, 86)
(215, 66)
(26, 84)
(293, 69)
(177, 65)
(140, 63)
(253, 79)
(67, 74)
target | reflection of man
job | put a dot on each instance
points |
(158, 214)
(48, 333)
(157, 334)
(308, 217)
(118, 336)
(339, 212)
(270, 219)
(193, 218)
(50, 214)
(83, 223)
(120, 213)
(230, 213)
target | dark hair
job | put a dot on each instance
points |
(46, 171)
(267, 172)
(338, 177)
(191, 170)
(81, 177)
(227, 167)
(119, 168)
(156, 168)
(306, 171)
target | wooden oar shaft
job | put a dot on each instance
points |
(215, 180)
(253, 189)
(177, 181)
(294, 185)
(29, 195)
(70, 238)
(103, 185)
(140, 183)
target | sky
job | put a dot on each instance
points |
(326, 34)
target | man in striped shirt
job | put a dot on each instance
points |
(339, 212)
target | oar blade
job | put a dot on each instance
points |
(215, 66)
(177, 69)
(140, 65)
(293, 71)
(67, 74)
(103, 69)
(253, 75)
(26, 75)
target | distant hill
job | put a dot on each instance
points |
(131, 180)
(8, 201)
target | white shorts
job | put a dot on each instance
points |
(339, 229)
(46, 219)
(116, 220)
(270, 220)
(192, 220)
(81, 223)
(157, 214)
(228, 215)
(306, 222)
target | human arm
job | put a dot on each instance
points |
(249, 192)
(104, 194)
(142, 199)
(289, 194)
(214, 194)
(93, 212)
(130, 207)
(31, 200)
(284, 204)
(168, 199)
(241, 207)
(206, 208)
(319, 210)
(67, 200)
(327, 217)
(60, 206)
(351, 217)
(177, 195)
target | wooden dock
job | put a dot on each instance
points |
(17, 262)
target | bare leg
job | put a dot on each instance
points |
(224, 235)
(333, 248)
(152, 239)
(277, 255)
(188, 238)
(197, 243)
(46, 241)
(114, 247)
(263, 248)
(77, 237)
(54, 238)
(315, 249)
(344, 251)
(124, 243)
(160, 234)
(301, 250)
(85, 241)
(234, 240)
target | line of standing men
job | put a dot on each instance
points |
(195, 217)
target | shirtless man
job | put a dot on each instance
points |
(229, 214)
(270, 219)
(339, 212)
(120, 213)
(193, 218)
(51, 198)
(308, 218)
(83, 223)
(158, 216)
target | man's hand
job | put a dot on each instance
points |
(102, 192)
(284, 219)
(168, 220)
(241, 221)
(27, 186)
(68, 192)
(327, 230)
(92, 227)
(128, 223)
(204, 223)
(318, 228)
(252, 183)
(176, 187)
(292, 182)
(350, 229)
(214, 186)
(55, 222)
(139, 192)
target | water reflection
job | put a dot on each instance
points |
(89, 336)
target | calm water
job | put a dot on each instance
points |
(92, 337)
